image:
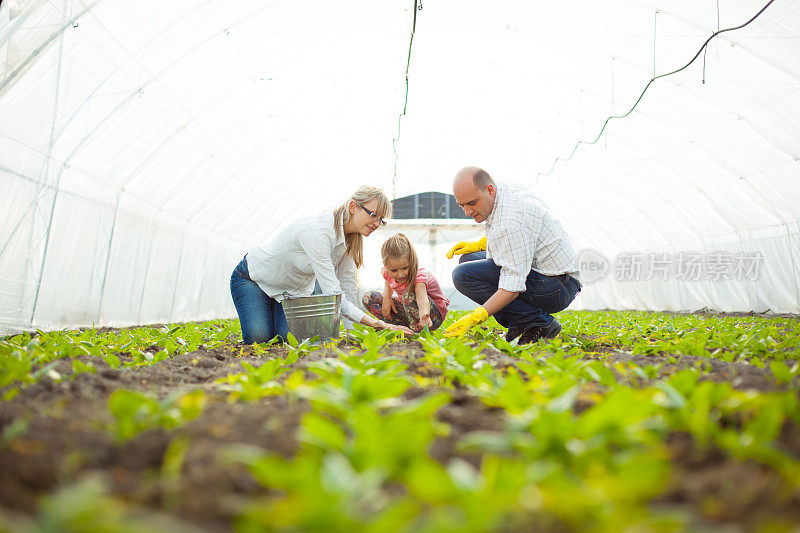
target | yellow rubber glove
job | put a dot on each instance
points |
(466, 247)
(461, 325)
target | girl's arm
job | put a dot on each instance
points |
(423, 304)
(388, 304)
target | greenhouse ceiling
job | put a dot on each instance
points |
(145, 146)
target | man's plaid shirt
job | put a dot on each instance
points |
(521, 236)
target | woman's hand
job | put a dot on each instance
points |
(393, 327)
(402, 329)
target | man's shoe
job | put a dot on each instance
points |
(552, 331)
(513, 332)
(534, 333)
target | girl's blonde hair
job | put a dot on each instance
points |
(341, 215)
(396, 247)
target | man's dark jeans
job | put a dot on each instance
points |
(477, 278)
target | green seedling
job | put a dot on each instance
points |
(256, 382)
(135, 412)
(574, 441)
(89, 506)
(782, 372)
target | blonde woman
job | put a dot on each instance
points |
(328, 247)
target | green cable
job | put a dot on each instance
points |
(654, 78)
(395, 140)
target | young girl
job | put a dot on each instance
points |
(414, 304)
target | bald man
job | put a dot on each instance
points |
(523, 270)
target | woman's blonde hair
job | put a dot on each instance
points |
(396, 247)
(341, 215)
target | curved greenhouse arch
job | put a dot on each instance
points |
(144, 148)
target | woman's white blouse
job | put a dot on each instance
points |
(308, 248)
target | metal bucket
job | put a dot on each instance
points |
(308, 316)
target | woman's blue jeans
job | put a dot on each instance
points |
(478, 278)
(261, 317)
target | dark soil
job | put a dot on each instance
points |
(726, 491)
(741, 376)
(67, 438)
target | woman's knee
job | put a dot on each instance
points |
(256, 333)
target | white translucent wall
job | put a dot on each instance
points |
(696, 168)
(144, 147)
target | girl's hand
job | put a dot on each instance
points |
(388, 308)
(425, 320)
(423, 305)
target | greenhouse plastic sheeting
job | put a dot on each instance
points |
(145, 147)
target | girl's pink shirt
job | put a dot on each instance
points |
(431, 285)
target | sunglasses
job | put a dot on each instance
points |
(373, 216)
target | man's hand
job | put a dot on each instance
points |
(467, 247)
(461, 326)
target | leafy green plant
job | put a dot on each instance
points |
(782, 372)
(135, 412)
(256, 382)
(87, 506)
(578, 438)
